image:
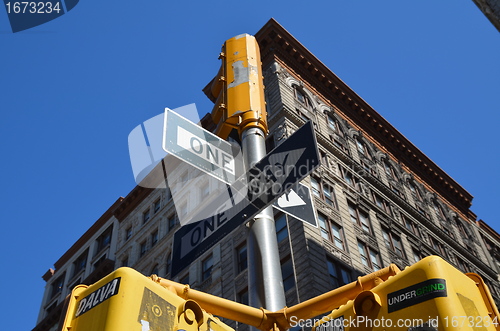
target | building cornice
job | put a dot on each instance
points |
(489, 230)
(131, 201)
(277, 43)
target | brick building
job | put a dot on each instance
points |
(379, 200)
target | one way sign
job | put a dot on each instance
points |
(277, 173)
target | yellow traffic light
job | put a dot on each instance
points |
(127, 300)
(238, 88)
(430, 295)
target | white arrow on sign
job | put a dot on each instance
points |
(298, 204)
(290, 199)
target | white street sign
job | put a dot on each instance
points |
(201, 148)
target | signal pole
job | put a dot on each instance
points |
(238, 93)
(265, 281)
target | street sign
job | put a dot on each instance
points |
(200, 148)
(266, 181)
(298, 204)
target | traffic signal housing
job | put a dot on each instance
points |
(238, 88)
(429, 295)
(127, 300)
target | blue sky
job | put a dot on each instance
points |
(71, 91)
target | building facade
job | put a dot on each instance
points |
(89, 259)
(490, 9)
(378, 199)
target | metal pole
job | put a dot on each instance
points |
(265, 280)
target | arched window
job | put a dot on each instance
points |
(333, 124)
(415, 191)
(336, 132)
(390, 171)
(301, 96)
(439, 211)
(363, 148)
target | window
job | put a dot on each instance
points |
(439, 247)
(489, 244)
(315, 187)
(241, 256)
(169, 263)
(363, 149)
(184, 177)
(57, 286)
(332, 124)
(369, 257)
(143, 248)
(329, 195)
(171, 221)
(204, 191)
(155, 270)
(389, 171)
(447, 230)
(323, 226)
(336, 137)
(281, 227)
(461, 228)
(206, 266)
(382, 203)
(464, 267)
(331, 231)
(323, 191)
(145, 216)
(350, 179)
(360, 218)
(75, 283)
(303, 116)
(338, 275)
(393, 242)
(411, 226)
(302, 98)
(270, 144)
(415, 192)
(124, 262)
(242, 297)
(52, 307)
(490, 285)
(80, 263)
(183, 210)
(439, 211)
(99, 261)
(154, 238)
(104, 240)
(417, 256)
(156, 206)
(184, 280)
(397, 191)
(287, 272)
(128, 233)
(423, 212)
